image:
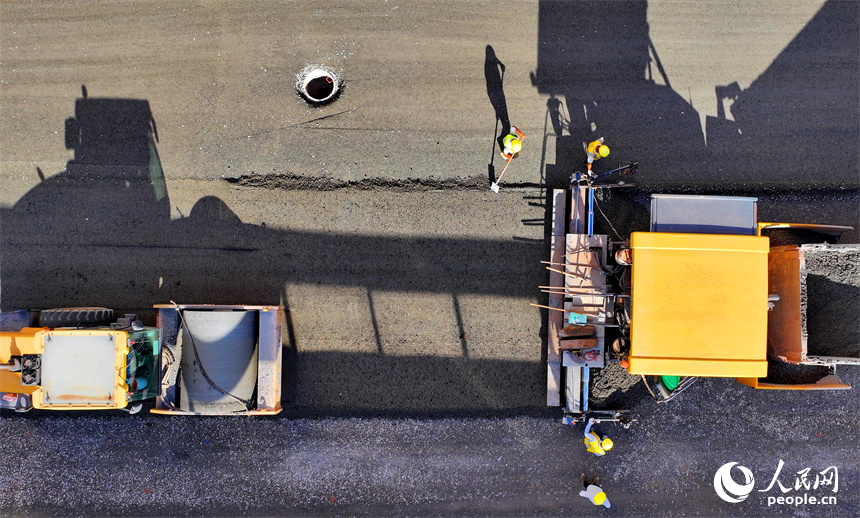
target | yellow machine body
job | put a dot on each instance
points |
(699, 305)
(81, 369)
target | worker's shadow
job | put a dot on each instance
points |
(494, 73)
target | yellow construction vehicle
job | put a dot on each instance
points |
(198, 360)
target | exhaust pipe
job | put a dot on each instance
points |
(14, 365)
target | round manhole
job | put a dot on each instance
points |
(317, 84)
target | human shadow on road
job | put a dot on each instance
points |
(100, 234)
(494, 74)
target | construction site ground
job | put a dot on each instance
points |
(414, 367)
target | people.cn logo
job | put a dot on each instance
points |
(727, 488)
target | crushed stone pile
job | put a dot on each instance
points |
(833, 302)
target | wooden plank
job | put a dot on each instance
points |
(553, 384)
(571, 344)
(576, 332)
(583, 270)
(585, 305)
(555, 319)
(573, 389)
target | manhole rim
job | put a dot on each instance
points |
(311, 73)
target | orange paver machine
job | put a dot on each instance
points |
(708, 291)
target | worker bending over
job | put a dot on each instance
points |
(594, 443)
(512, 143)
(596, 150)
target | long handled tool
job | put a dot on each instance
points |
(495, 185)
(569, 264)
(567, 274)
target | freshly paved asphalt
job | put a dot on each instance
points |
(413, 377)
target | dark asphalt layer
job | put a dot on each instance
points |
(146, 465)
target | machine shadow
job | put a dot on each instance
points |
(796, 123)
(611, 84)
(801, 114)
(100, 234)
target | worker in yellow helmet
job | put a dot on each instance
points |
(593, 492)
(512, 143)
(594, 443)
(596, 150)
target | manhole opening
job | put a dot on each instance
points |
(320, 88)
(317, 84)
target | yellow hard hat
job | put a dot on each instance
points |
(599, 498)
(604, 151)
(516, 145)
(606, 444)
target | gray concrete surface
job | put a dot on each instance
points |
(414, 380)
